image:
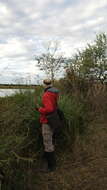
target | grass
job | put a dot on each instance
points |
(21, 143)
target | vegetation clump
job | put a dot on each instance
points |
(83, 100)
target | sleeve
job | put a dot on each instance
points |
(48, 106)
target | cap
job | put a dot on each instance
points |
(47, 81)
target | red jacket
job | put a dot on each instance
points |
(49, 102)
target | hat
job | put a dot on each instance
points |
(47, 82)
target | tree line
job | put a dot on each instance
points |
(88, 63)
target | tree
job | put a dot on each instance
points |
(100, 50)
(92, 61)
(50, 62)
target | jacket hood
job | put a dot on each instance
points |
(52, 89)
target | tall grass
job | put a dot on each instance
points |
(20, 136)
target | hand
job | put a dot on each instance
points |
(37, 108)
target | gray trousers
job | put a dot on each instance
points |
(47, 134)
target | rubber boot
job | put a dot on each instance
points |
(43, 164)
(50, 156)
(2, 178)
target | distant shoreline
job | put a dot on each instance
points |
(16, 86)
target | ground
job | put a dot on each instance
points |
(85, 168)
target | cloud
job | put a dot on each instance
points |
(13, 47)
(5, 14)
(25, 25)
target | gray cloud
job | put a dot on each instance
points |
(25, 25)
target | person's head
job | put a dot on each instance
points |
(47, 83)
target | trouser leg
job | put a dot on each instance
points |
(49, 149)
(47, 134)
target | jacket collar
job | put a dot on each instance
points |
(47, 88)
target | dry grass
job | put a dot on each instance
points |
(85, 168)
(82, 166)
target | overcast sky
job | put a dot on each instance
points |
(26, 24)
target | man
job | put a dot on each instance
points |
(49, 102)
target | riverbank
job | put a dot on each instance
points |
(16, 86)
(84, 168)
(80, 148)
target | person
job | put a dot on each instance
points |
(49, 105)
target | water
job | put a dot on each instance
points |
(9, 92)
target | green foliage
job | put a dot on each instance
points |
(91, 60)
(75, 112)
(19, 123)
(20, 139)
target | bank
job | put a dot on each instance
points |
(80, 148)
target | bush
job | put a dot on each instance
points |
(20, 139)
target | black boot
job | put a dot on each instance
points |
(2, 178)
(50, 156)
(43, 163)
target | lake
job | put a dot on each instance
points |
(9, 92)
